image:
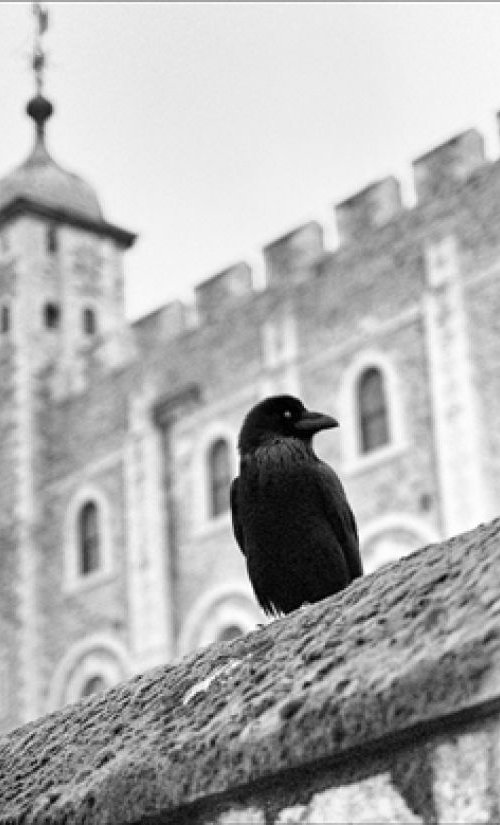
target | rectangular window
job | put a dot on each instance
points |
(52, 244)
(52, 315)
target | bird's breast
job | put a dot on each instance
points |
(278, 497)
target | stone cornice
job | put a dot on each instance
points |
(21, 206)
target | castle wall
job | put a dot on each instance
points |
(354, 301)
(411, 291)
(80, 455)
(71, 610)
(369, 299)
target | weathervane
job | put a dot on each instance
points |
(41, 16)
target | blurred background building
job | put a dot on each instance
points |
(118, 439)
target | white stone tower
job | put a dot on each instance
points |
(61, 315)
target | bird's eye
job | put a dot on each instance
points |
(287, 414)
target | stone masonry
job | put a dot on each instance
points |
(380, 704)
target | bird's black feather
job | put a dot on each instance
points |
(237, 528)
(291, 517)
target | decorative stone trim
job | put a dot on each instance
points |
(98, 655)
(148, 589)
(217, 608)
(393, 523)
(463, 493)
(29, 640)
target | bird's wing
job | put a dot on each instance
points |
(237, 528)
(340, 516)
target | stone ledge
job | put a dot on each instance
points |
(397, 654)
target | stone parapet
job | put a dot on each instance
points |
(379, 704)
(293, 252)
(369, 209)
(219, 292)
(445, 166)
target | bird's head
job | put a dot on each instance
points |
(281, 416)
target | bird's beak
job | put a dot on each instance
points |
(313, 422)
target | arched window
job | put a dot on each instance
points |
(52, 315)
(4, 319)
(95, 684)
(89, 321)
(89, 539)
(372, 410)
(219, 475)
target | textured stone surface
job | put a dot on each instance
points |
(372, 207)
(453, 161)
(371, 800)
(461, 791)
(218, 293)
(415, 642)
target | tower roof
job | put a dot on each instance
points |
(39, 184)
(41, 181)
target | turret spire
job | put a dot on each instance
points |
(39, 108)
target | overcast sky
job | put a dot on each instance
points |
(211, 129)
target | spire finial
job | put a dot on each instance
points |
(41, 16)
(39, 108)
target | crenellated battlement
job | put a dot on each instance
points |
(440, 169)
(369, 209)
(223, 288)
(293, 251)
(290, 257)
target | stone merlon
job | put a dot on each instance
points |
(298, 248)
(374, 206)
(408, 654)
(222, 289)
(163, 323)
(436, 172)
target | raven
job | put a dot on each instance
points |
(290, 514)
